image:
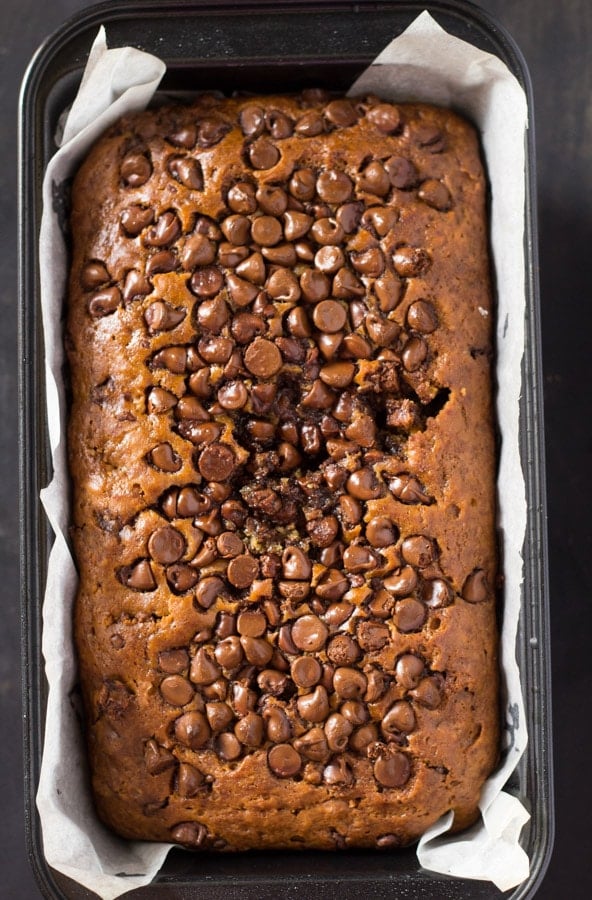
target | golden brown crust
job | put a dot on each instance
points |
(300, 450)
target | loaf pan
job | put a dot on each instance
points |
(263, 46)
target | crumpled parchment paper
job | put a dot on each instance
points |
(424, 63)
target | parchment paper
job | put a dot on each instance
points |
(424, 63)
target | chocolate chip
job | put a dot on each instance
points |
(399, 719)
(227, 746)
(257, 650)
(341, 113)
(435, 194)
(249, 730)
(203, 669)
(306, 671)
(315, 285)
(135, 218)
(409, 669)
(343, 650)
(419, 551)
(251, 623)
(380, 219)
(166, 545)
(402, 582)
(385, 118)
(282, 285)
(429, 136)
(189, 780)
(302, 184)
(296, 224)
(161, 316)
(157, 759)
(277, 725)
(237, 229)
(329, 316)
(231, 255)
(104, 303)
(313, 745)
(409, 615)
(363, 484)
(272, 200)
(187, 171)
(173, 661)
(408, 489)
(135, 169)
(252, 121)
(190, 834)
(345, 286)
(278, 124)
(337, 614)
(402, 172)
(357, 558)
(229, 653)
(262, 358)
(414, 354)
(295, 564)
(206, 281)
(381, 531)
(241, 292)
(94, 275)
(338, 729)
(208, 590)
(356, 347)
(162, 261)
(172, 358)
(332, 585)
(166, 230)
(272, 682)
(436, 593)
(476, 588)
(314, 707)
(428, 692)
(310, 124)
(176, 690)
(284, 761)
(241, 198)
(216, 462)
(263, 154)
(138, 576)
(349, 683)
(329, 260)
(309, 633)
(334, 186)
(374, 179)
(338, 772)
(383, 332)
(409, 262)
(327, 231)
(182, 577)
(192, 729)
(392, 771)
(183, 136)
(211, 131)
(242, 570)
(136, 285)
(422, 317)
(369, 262)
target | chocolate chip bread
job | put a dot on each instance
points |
(281, 447)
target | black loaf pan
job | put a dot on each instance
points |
(269, 47)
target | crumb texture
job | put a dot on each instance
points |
(281, 446)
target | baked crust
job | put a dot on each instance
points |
(284, 502)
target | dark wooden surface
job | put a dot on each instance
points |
(556, 39)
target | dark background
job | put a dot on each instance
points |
(556, 39)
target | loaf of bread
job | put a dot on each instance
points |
(283, 464)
